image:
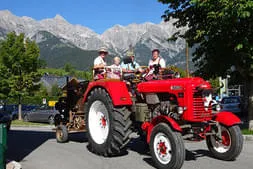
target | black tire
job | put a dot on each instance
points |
(236, 144)
(119, 125)
(25, 119)
(176, 143)
(61, 134)
(51, 120)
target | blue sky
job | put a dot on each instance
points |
(98, 15)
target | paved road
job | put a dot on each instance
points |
(39, 150)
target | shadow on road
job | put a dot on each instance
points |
(142, 148)
(22, 143)
(194, 155)
(139, 146)
(190, 156)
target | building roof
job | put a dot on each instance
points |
(49, 80)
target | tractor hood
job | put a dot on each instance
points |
(179, 84)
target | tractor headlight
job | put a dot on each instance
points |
(180, 110)
(207, 101)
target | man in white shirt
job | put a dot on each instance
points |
(99, 62)
(156, 59)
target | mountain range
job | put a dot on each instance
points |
(61, 42)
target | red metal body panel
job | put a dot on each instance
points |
(193, 112)
(116, 89)
(165, 85)
(148, 126)
(227, 118)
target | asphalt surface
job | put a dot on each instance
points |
(37, 148)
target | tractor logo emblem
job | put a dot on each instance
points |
(207, 101)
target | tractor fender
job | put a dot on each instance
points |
(148, 126)
(116, 89)
(227, 118)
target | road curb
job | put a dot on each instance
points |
(32, 126)
(248, 137)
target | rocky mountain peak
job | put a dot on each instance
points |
(143, 37)
(5, 12)
(26, 18)
(59, 18)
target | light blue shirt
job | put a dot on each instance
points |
(130, 66)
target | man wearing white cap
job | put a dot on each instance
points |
(99, 62)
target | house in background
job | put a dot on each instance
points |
(50, 80)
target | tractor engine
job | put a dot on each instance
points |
(181, 99)
(166, 108)
(156, 105)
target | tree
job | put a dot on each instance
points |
(215, 83)
(179, 70)
(18, 69)
(55, 90)
(42, 64)
(223, 32)
(68, 67)
(4, 84)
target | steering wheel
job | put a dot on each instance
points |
(156, 72)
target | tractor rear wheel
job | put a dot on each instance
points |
(166, 147)
(229, 146)
(108, 126)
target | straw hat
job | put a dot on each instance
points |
(130, 53)
(103, 49)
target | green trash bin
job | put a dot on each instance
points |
(3, 145)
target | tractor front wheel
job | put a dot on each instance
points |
(61, 134)
(229, 146)
(166, 147)
(108, 126)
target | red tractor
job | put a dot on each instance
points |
(163, 109)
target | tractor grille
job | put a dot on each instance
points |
(199, 111)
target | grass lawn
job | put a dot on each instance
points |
(22, 123)
(247, 132)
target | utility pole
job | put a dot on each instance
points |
(187, 58)
(19, 98)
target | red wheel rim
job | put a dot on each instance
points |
(103, 121)
(225, 138)
(162, 148)
(223, 144)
